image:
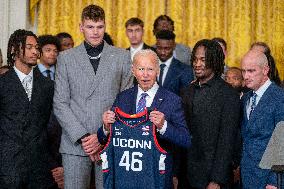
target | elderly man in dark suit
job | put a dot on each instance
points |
(167, 115)
(212, 110)
(25, 106)
(263, 109)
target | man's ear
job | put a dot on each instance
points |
(132, 70)
(266, 70)
(81, 27)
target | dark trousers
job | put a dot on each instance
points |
(12, 182)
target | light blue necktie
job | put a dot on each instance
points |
(253, 103)
(141, 103)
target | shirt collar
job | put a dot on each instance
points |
(168, 62)
(132, 49)
(21, 75)
(208, 83)
(42, 68)
(90, 49)
(263, 88)
(151, 92)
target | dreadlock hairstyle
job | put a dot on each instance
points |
(220, 40)
(214, 56)
(17, 41)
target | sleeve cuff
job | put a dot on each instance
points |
(105, 131)
(164, 128)
(79, 141)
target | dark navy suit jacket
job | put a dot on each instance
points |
(165, 102)
(256, 133)
(178, 76)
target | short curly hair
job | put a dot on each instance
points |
(48, 39)
(93, 12)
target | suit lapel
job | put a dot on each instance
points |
(245, 103)
(158, 99)
(145, 46)
(17, 85)
(133, 99)
(84, 62)
(37, 85)
(172, 72)
(263, 102)
(104, 65)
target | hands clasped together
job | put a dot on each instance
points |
(92, 147)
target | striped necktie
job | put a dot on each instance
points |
(141, 103)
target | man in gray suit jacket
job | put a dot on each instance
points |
(88, 79)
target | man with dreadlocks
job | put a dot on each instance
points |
(212, 110)
(25, 106)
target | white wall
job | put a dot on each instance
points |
(14, 15)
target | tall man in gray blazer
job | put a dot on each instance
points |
(88, 79)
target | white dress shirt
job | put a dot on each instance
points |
(149, 100)
(133, 51)
(259, 94)
(167, 63)
(21, 75)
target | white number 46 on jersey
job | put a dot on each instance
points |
(134, 163)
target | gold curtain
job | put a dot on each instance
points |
(33, 4)
(239, 22)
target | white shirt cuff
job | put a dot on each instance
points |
(105, 131)
(164, 128)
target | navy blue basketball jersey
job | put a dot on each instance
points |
(132, 158)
